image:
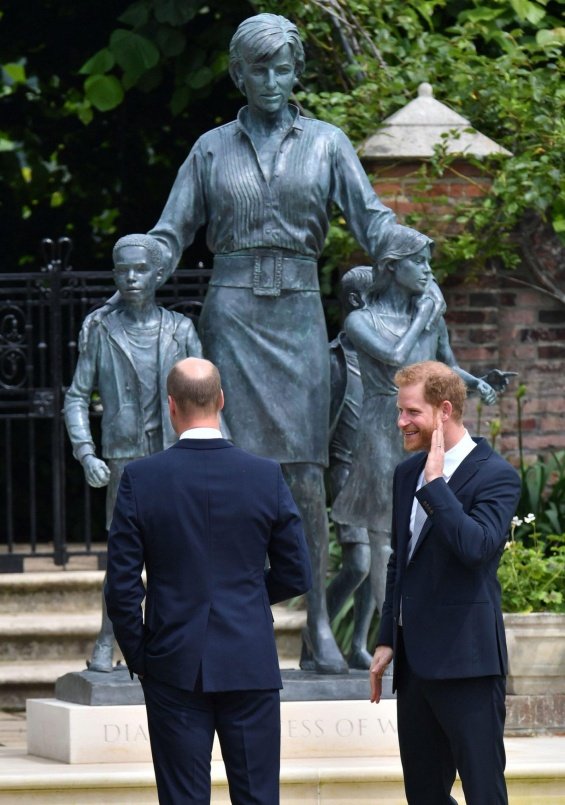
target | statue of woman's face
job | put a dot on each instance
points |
(413, 272)
(268, 83)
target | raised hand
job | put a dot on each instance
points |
(436, 454)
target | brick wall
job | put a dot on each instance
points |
(494, 323)
(498, 324)
(403, 188)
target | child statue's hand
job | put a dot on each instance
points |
(96, 471)
(433, 292)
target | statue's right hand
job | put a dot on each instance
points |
(96, 471)
(434, 292)
(425, 304)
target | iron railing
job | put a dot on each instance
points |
(46, 507)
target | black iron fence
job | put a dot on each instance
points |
(46, 507)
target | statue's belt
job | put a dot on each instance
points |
(267, 272)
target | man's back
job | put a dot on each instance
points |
(204, 516)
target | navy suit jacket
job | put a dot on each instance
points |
(452, 623)
(203, 516)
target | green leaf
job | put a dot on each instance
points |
(480, 14)
(526, 10)
(101, 62)
(104, 92)
(200, 78)
(15, 72)
(136, 15)
(134, 53)
(171, 41)
(176, 12)
(180, 100)
(547, 38)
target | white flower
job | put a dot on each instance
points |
(530, 518)
(507, 545)
(516, 522)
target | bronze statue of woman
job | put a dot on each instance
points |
(262, 186)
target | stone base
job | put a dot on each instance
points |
(306, 686)
(74, 733)
(95, 688)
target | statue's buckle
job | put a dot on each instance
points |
(267, 274)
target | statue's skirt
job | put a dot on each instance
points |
(366, 497)
(272, 353)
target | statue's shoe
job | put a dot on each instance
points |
(359, 659)
(321, 655)
(102, 658)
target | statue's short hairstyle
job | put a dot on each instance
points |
(201, 392)
(440, 383)
(398, 242)
(357, 280)
(259, 37)
(149, 243)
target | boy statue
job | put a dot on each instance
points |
(126, 356)
(346, 401)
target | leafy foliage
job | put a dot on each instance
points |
(497, 63)
(532, 577)
(101, 105)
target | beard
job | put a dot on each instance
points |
(420, 440)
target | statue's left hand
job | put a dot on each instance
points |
(488, 394)
(498, 379)
(433, 291)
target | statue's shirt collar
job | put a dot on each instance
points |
(243, 114)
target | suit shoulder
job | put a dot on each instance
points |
(266, 464)
(502, 466)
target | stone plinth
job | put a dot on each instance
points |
(97, 689)
(75, 733)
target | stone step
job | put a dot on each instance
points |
(535, 775)
(55, 636)
(38, 647)
(26, 636)
(54, 591)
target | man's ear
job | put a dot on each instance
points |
(221, 400)
(446, 410)
(172, 409)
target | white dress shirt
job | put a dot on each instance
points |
(201, 433)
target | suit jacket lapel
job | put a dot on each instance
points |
(406, 493)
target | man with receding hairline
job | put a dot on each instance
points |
(203, 517)
(441, 619)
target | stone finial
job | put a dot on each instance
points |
(413, 131)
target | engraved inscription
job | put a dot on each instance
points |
(124, 733)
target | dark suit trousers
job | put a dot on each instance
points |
(181, 731)
(450, 725)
